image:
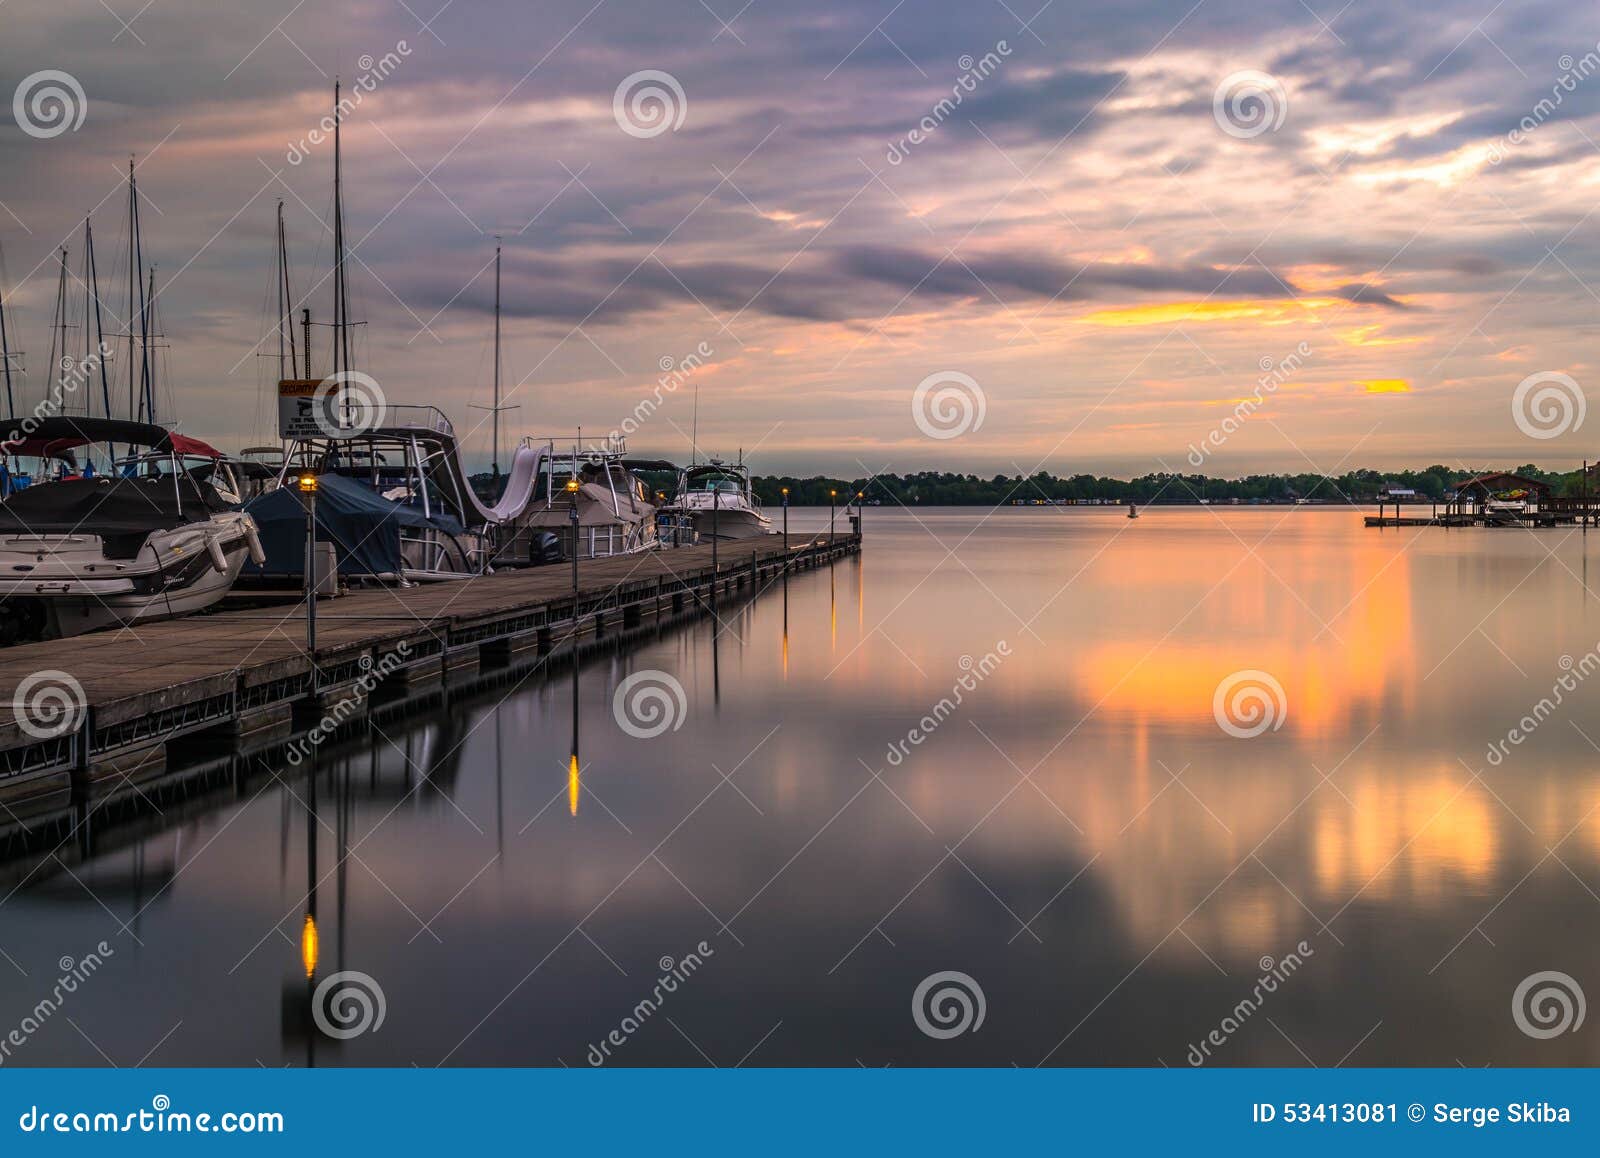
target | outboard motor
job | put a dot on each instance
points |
(544, 547)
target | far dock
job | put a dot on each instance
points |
(1500, 499)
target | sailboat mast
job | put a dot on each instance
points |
(133, 406)
(149, 363)
(341, 315)
(58, 328)
(134, 279)
(286, 352)
(88, 307)
(495, 456)
(147, 399)
(93, 290)
(5, 346)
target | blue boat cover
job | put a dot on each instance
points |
(363, 527)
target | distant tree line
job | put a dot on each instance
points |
(943, 489)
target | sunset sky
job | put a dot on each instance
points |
(1108, 254)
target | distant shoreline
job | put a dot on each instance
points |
(1432, 484)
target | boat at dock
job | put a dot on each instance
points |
(616, 513)
(155, 539)
(394, 501)
(718, 501)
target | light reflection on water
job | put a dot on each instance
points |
(1079, 835)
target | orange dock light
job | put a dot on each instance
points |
(308, 945)
(306, 484)
(571, 488)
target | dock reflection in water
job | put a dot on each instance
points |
(1078, 835)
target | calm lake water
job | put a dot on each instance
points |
(1080, 836)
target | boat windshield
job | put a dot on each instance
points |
(144, 466)
(711, 483)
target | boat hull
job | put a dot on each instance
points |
(735, 523)
(71, 587)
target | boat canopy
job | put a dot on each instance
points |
(122, 511)
(364, 528)
(434, 436)
(183, 444)
(52, 437)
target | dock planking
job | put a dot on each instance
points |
(239, 675)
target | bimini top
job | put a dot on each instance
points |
(122, 511)
(716, 466)
(50, 437)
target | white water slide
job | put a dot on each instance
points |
(526, 463)
(428, 425)
(514, 498)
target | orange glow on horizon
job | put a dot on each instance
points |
(1171, 313)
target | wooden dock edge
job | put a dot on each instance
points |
(146, 747)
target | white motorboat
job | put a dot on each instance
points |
(411, 464)
(154, 541)
(616, 511)
(717, 497)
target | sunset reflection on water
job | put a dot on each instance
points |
(1077, 833)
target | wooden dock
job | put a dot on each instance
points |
(1535, 520)
(1449, 520)
(239, 682)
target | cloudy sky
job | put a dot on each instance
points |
(1092, 230)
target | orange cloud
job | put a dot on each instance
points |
(1171, 313)
(1386, 386)
(1370, 336)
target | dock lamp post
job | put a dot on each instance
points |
(833, 496)
(786, 530)
(716, 507)
(661, 499)
(572, 521)
(860, 498)
(306, 484)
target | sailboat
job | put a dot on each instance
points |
(154, 534)
(393, 496)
